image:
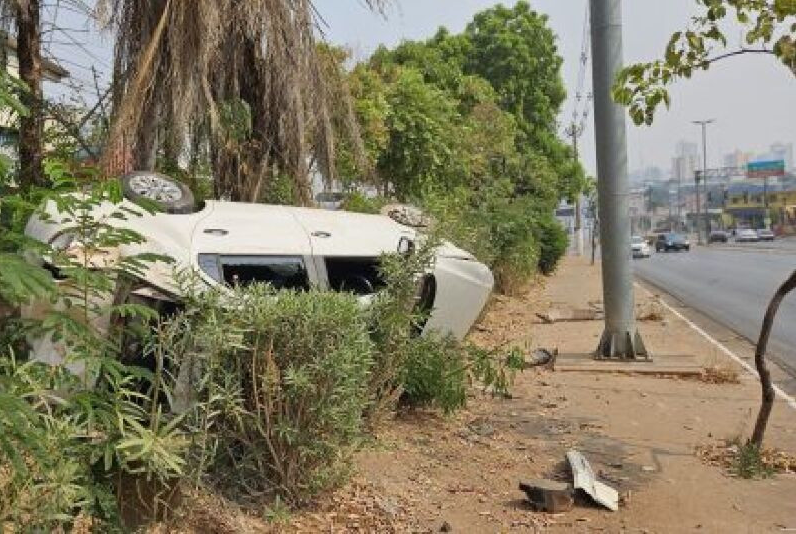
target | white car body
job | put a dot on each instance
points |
(258, 234)
(639, 247)
(747, 235)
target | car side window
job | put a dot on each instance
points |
(360, 276)
(281, 272)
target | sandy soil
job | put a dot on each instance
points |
(429, 473)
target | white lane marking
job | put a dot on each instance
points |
(751, 370)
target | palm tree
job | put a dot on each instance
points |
(245, 75)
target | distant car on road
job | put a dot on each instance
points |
(640, 247)
(718, 236)
(764, 234)
(672, 241)
(746, 235)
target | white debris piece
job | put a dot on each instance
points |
(583, 478)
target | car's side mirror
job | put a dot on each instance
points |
(406, 246)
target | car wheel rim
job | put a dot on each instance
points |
(155, 188)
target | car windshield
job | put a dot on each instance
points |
(675, 238)
(636, 240)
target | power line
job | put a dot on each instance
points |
(581, 107)
(584, 60)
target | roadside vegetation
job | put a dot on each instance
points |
(280, 396)
(464, 126)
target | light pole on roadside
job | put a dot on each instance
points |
(620, 339)
(704, 125)
(574, 131)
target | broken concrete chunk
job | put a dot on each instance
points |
(541, 357)
(549, 495)
(555, 315)
(584, 479)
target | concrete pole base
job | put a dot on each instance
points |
(626, 346)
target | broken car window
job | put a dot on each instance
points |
(356, 275)
(282, 272)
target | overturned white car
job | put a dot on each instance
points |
(228, 243)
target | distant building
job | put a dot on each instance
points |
(686, 162)
(51, 73)
(745, 205)
(738, 158)
(686, 148)
(783, 151)
(647, 175)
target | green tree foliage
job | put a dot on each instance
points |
(422, 121)
(506, 58)
(767, 28)
(515, 50)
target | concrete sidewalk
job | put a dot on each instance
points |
(640, 433)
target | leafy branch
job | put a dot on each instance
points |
(769, 28)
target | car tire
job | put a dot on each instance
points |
(167, 194)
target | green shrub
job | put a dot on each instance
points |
(360, 203)
(66, 439)
(500, 229)
(438, 370)
(516, 236)
(553, 240)
(393, 319)
(435, 373)
(283, 387)
(748, 462)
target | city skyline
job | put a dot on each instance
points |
(687, 158)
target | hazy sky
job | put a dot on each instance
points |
(753, 99)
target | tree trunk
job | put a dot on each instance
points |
(30, 71)
(760, 361)
(146, 142)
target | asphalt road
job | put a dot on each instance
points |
(733, 286)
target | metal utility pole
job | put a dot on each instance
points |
(704, 125)
(707, 213)
(620, 338)
(679, 201)
(574, 131)
(766, 217)
(698, 207)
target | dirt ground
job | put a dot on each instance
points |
(430, 473)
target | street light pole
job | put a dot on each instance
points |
(574, 131)
(704, 125)
(620, 338)
(698, 209)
